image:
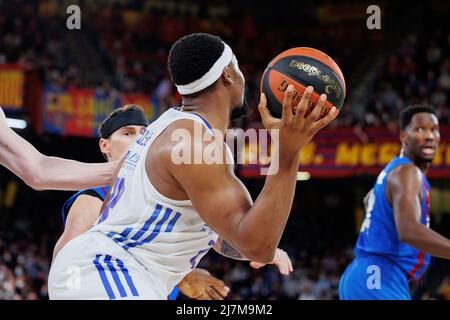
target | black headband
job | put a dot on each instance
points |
(129, 117)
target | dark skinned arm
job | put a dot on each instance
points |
(404, 188)
(223, 201)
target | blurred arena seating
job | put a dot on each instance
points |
(125, 49)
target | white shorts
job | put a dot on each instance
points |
(92, 266)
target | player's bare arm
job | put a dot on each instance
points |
(254, 230)
(43, 172)
(404, 193)
(82, 215)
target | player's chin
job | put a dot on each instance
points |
(427, 157)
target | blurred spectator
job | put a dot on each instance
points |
(23, 270)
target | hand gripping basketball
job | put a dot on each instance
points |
(296, 129)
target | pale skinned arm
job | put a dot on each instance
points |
(42, 172)
(82, 215)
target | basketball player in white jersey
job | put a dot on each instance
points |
(42, 172)
(160, 218)
(118, 131)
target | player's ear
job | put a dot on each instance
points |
(403, 137)
(104, 145)
(227, 76)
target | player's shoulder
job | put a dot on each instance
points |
(405, 169)
(188, 133)
(182, 125)
(87, 196)
(82, 200)
(407, 175)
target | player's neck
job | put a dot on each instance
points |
(422, 165)
(213, 109)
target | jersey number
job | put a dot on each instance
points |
(117, 191)
(369, 207)
(193, 261)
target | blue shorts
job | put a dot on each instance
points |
(372, 277)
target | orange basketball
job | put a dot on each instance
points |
(303, 67)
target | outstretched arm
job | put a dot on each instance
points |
(42, 172)
(404, 184)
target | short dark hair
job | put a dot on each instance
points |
(192, 56)
(407, 113)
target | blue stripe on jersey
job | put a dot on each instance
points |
(207, 124)
(156, 230)
(154, 233)
(115, 276)
(123, 235)
(126, 232)
(147, 223)
(103, 277)
(174, 294)
(172, 222)
(128, 278)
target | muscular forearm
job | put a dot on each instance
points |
(262, 227)
(42, 172)
(427, 240)
(62, 174)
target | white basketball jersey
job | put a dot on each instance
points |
(166, 236)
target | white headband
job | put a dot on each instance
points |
(211, 76)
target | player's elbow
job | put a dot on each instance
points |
(406, 238)
(30, 170)
(407, 234)
(260, 253)
(34, 179)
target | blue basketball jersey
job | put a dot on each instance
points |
(101, 193)
(378, 233)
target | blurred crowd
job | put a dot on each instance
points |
(132, 40)
(315, 277)
(24, 266)
(416, 71)
(35, 43)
